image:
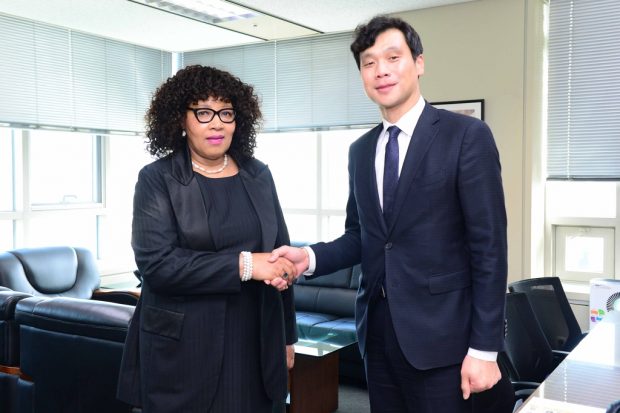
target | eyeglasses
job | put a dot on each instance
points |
(206, 115)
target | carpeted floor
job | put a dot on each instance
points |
(352, 399)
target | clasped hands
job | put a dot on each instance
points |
(280, 268)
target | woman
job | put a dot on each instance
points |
(207, 335)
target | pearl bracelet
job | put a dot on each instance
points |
(247, 266)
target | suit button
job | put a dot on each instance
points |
(388, 246)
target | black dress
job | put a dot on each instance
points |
(235, 227)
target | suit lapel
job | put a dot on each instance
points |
(188, 203)
(423, 135)
(259, 189)
(370, 153)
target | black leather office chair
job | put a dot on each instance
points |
(70, 351)
(528, 352)
(551, 306)
(57, 272)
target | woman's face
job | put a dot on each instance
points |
(209, 140)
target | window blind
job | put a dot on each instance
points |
(52, 76)
(306, 83)
(584, 85)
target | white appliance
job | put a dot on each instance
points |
(604, 297)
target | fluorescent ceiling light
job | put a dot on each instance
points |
(232, 17)
(208, 11)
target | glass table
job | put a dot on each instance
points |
(588, 380)
(313, 381)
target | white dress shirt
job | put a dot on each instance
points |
(406, 124)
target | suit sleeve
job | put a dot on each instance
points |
(482, 203)
(165, 266)
(288, 295)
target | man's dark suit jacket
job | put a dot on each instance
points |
(175, 344)
(444, 256)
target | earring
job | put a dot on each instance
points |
(183, 133)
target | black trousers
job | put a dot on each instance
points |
(395, 386)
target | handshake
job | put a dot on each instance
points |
(280, 268)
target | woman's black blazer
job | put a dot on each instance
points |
(175, 344)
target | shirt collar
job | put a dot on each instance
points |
(409, 120)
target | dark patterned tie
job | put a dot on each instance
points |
(390, 173)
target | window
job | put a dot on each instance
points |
(7, 189)
(126, 155)
(74, 228)
(6, 234)
(77, 190)
(311, 176)
(65, 168)
(583, 253)
(584, 220)
(581, 199)
(583, 149)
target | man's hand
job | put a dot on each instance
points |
(298, 256)
(290, 356)
(478, 375)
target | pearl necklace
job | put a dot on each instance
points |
(217, 171)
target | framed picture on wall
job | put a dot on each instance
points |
(473, 108)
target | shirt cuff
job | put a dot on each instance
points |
(482, 355)
(311, 261)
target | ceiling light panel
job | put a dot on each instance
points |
(231, 16)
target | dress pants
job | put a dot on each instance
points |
(394, 385)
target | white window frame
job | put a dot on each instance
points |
(554, 252)
(562, 232)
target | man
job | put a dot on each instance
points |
(426, 218)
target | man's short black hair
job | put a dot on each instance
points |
(366, 35)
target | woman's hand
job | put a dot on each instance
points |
(290, 356)
(279, 284)
(265, 270)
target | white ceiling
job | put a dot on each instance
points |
(130, 22)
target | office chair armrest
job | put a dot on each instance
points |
(558, 357)
(128, 297)
(525, 385)
(523, 390)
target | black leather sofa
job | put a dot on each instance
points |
(60, 349)
(9, 349)
(60, 271)
(325, 308)
(70, 354)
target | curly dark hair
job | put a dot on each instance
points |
(366, 35)
(164, 118)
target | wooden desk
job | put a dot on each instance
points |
(588, 380)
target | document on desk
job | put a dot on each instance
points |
(540, 405)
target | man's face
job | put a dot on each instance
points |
(390, 74)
